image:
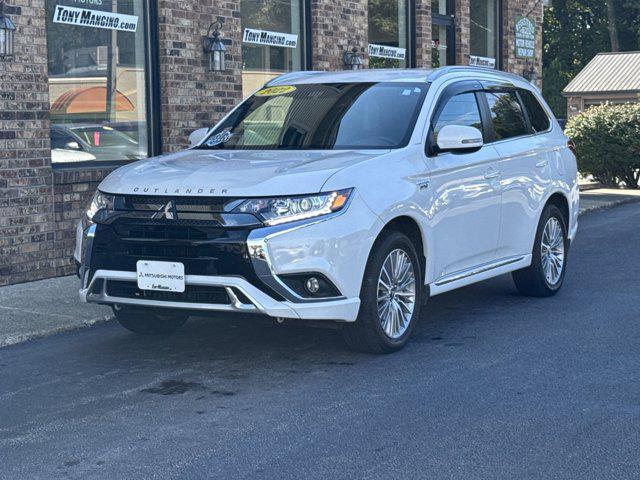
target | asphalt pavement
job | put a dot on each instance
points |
(493, 385)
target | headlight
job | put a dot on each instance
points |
(100, 201)
(273, 211)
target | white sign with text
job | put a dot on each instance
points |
(383, 51)
(273, 39)
(95, 18)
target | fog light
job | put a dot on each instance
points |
(312, 285)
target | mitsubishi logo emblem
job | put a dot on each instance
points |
(166, 212)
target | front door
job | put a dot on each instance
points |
(465, 207)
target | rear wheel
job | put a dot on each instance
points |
(545, 275)
(391, 296)
(149, 321)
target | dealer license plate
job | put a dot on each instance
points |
(163, 276)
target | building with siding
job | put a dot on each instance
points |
(608, 77)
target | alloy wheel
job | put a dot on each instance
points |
(552, 251)
(396, 293)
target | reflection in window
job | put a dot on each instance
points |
(440, 7)
(537, 116)
(484, 28)
(506, 114)
(388, 28)
(324, 117)
(97, 84)
(460, 110)
(261, 63)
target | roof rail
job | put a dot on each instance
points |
(290, 76)
(439, 72)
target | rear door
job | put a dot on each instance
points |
(524, 167)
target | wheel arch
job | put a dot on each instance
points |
(410, 227)
(560, 200)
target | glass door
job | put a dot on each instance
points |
(442, 34)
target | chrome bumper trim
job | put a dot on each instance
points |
(260, 301)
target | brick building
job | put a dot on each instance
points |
(95, 83)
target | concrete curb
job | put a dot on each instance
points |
(615, 203)
(27, 337)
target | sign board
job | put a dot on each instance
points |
(383, 51)
(273, 39)
(95, 18)
(482, 61)
(525, 37)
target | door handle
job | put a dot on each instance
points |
(542, 164)
(492, 174)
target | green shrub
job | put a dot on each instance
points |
(607, 138)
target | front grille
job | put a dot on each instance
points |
(204, 250)
(192, 293)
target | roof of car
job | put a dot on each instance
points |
(386, 75)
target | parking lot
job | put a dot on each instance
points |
(493, 385)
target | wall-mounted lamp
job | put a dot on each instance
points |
(214, 48)
(7, 29)
(530, 74)
(352, 59)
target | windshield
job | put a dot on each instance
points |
(323, 117)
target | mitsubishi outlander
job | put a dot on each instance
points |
(345, 197)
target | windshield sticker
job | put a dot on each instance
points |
(219, 138)
(272, 91)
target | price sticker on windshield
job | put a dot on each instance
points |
(273, 91)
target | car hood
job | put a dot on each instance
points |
(233, 173)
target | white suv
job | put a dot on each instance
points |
(348, 197)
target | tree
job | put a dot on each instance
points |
(574, 31)
(613, 27)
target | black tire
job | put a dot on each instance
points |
(149, 321)
(366, 334)
(531, 281)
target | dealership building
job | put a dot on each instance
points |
(87, 85)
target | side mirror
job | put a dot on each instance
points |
(459, 137)
(73, 145)
(197, 135)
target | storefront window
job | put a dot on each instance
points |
(97, 80)
(484, 32)
(440, 7)
(388, 33)
(442, 33)
(272, 40)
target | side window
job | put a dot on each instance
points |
(459, 110)
(537, 116)
(506, 115)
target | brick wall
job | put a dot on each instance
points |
(39, 206)
(337, 25)
(423, 33)
(191, 96)
(26, 194)
(463, 31)
(511, 8)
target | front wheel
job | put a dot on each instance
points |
(149, 321)
(545, 275)
(391, 296)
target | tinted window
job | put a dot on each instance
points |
(460, 110)
(506, 114)
(537, 116)
(323, 116)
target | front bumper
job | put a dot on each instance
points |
(251, 300)
(234, 271)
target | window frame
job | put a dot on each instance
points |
(152, 92)
(487, 120)
(450, 91)
(526, 110)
